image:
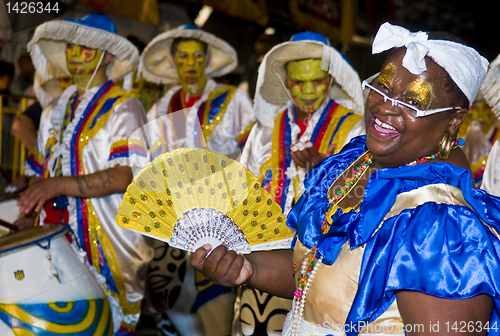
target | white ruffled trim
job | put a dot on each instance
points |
(55, 34)
(264, 111)
(122, 161)
(491, 86)
(56, 119)
(58, 112)
(28, 171)
(134, 161)
(68, 134)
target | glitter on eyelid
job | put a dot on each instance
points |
(421, 91)
(387, 75)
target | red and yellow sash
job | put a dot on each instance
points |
(332, 127)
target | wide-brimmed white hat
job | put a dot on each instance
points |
(157, 63)
(491, 86)
(96, 31)
(307, 45)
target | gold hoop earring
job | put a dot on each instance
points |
(445, 146)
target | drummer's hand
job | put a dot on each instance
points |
(223, 267)
(18, 185)
(309, 157)
(25, 223)
(39, 192)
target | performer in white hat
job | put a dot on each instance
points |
(491, 92)
(197, 112)
(478, 131)
(491, 176)
(191, 57)
(84, 158)
(309, 103)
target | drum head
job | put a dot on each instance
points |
(23, 238)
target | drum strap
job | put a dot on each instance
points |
(53, 270)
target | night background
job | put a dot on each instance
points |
(243, 23)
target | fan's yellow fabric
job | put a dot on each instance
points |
(185, 179)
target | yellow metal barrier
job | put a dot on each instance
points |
(14, 164)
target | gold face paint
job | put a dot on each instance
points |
(308, 84)
(420, 92)
(82, 60)
(387, 75)
(190, 62)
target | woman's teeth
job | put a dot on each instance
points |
(384, 125)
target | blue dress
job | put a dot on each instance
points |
(426, 217)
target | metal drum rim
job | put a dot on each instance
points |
(44, 233)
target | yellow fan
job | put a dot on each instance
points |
(190, 197)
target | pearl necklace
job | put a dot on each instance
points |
(309, 267)
(307, 272)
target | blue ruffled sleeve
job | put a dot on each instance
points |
(445, 250)
(308, 213)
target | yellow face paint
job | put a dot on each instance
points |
(65, 83)
(190, 62)
(82, 60)
(308, 84)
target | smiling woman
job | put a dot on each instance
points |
(396, 135)
(419, 246)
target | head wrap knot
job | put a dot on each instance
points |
(465, 65)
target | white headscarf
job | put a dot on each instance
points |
(465, 65)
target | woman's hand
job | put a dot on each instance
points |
(223, 267)
(268, 271)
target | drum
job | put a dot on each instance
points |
(9, 212)
(46, 289)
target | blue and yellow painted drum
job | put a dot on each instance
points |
(46, 290)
